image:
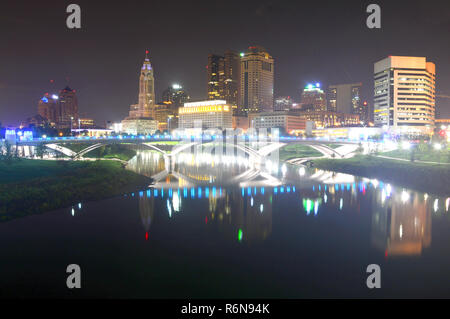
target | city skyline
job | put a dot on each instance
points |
(103, 73)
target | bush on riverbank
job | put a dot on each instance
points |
(428, 178)
(54, 184)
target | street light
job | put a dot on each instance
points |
(71, 120)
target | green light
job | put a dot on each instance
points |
(240, 235)
(242, 54)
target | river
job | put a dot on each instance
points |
(223, 227)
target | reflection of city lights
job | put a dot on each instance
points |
(436, 205)
(447, 203)
(251, 202)
(341, 203)
(169, 208)
(316, 207)
(79, 205)
(400, 231)
(73, 212)
(388, 190)
(425, 196)
(284, 169)
(307, 205)
(383, 196)
(374, 183)
(405, 196)
(301, 171)
(176, 202)
(325, 198)
(261, 208)
(240, 235)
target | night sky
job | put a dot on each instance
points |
(325, 41)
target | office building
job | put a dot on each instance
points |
(68, 104)
(257, 81)
(346, 98)
(313, 98)
(206, 114)
(223, 78)
(48, 108)
(404, 94)
(284, 120)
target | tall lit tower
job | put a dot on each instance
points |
(142, 115)
(257, 76)
(146, 104)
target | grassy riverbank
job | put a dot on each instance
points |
(297, 150)
(429, 178)
(34, 186)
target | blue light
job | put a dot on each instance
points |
(155, 192)
(44, 99)
(192, 192)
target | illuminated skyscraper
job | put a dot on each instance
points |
(313, 98)
(223, 77)
(141, 119)
(146, 104)
(404, 94)
(257, 76)
(68, 104)
(48, 108)
(215, 77)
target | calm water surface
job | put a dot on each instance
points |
(221, 227)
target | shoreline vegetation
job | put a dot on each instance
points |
(427, 178)
(36, 186)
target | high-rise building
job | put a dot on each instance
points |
(346, 98)
(141, 117)
(215, 77)
(231, 78)
(146, 104)
(68, 104)
(404, 94)
(166, 113)
(48, 108)
(257, 77)
(313, 98)
(223, 77)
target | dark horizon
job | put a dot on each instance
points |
(325, 42)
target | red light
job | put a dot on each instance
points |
(146, 235)
(146, 51)
(365, 103)
(206, 220)
(442, 133)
